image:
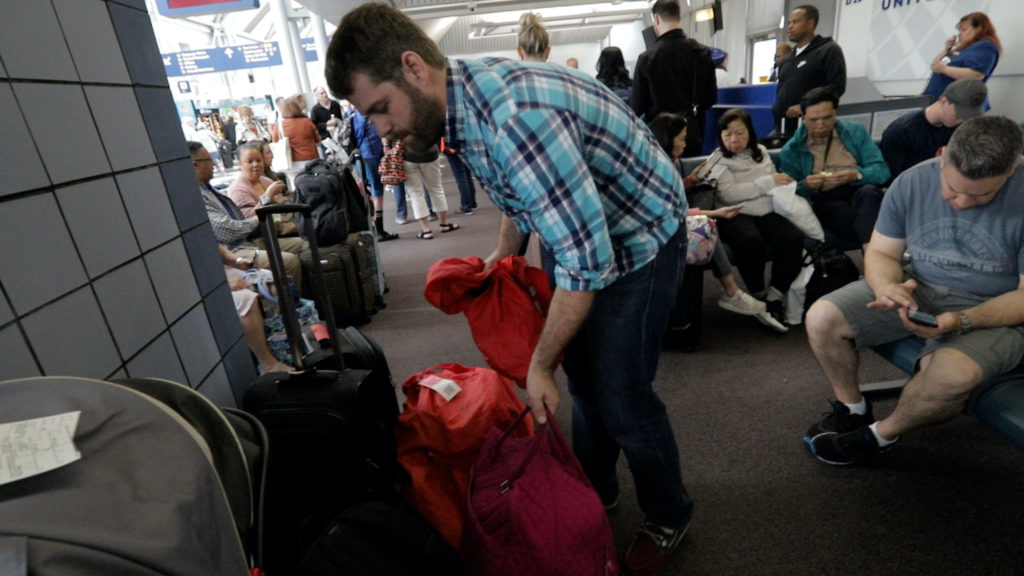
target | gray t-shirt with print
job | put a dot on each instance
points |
(979, 251)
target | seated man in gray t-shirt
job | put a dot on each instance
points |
(958, 219)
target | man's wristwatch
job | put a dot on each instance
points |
(965, 323)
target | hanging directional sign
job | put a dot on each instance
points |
(222, 59)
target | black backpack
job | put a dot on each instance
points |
(346, 134)
(338, 208)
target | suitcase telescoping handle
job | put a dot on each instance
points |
(286, 303)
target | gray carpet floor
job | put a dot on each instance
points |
(945, 500)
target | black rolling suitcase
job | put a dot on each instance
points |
(346, 278)
(331, 432)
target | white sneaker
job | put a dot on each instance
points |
(773, 317)
(401, 221)
(741, 303)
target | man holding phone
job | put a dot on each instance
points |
(957, 218)
(837, 167)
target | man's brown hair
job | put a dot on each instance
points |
(371, 40)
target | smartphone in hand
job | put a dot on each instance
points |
(923, 318)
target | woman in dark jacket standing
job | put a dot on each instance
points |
(612, 72)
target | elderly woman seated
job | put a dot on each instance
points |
(745, 176)
(250, 314)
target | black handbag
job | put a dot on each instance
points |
(833, 269)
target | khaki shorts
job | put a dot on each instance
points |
(995, 350)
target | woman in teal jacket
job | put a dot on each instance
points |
(837, 167)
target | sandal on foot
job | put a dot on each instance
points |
(428, 235)
(448, 227)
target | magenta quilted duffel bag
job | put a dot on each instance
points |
(531, 510)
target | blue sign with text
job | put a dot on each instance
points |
(222, 59)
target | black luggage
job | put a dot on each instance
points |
(331, 431)
(366, 242)
(381, 539)
(347, 283)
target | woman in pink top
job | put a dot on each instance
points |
(252, 188)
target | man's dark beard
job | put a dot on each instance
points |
(427, 121)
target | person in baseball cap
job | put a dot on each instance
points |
(968, 96)
(918, 136)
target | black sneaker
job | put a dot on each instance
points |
(385, 236)
(651, 549)
(839, 420)
(857, 447)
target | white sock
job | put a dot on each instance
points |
(860, 408)
(882, 442)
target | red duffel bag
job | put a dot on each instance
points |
(447, 412)
(531, 510)
(506, 307)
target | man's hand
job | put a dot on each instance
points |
(815, 181)
(236, 283)
(541, 392)
(841, 177)
(896, 295)
(947, 322)
(794, 111)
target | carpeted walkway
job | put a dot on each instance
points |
(948, 500)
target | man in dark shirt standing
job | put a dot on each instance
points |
(325, 113)
(815, 62)
(676, 75)
(917, 136)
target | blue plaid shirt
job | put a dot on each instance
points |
(565, 157)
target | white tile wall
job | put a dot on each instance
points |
(39, 260)
(71, 338)
(97, 184)
(218, 388)
(149, 210)
(130, 306)
(94, 47)
(195, 344)
(31, 43)
(121, 127)
(18, 361)
(175, 285)
(20, 166)
(5, 312)
(63, 130)
(138, 45)
(158, 360)
(98, 224)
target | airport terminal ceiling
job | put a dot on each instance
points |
(483, 26)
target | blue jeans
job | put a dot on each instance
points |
(373, 175)
(611, 366)
(467, 192)
(401, 212)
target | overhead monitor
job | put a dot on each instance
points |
(185, 8)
